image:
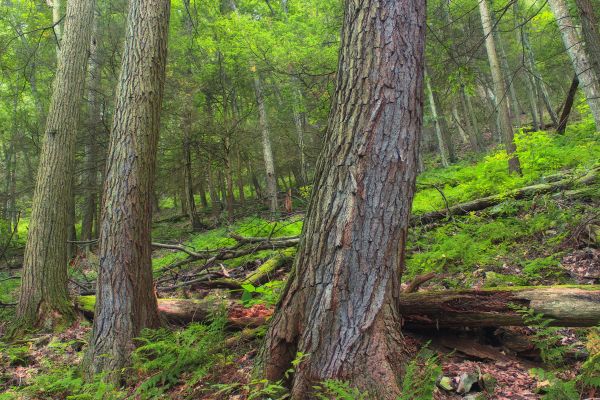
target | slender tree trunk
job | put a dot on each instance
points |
(459, 124)
(340, 307)
(55, 4)
(589, 30)
(499, 88)
(187, 127)
(566, 110)
(125, 300)
(90, 180)
(215, 202)
(240, 177)
(266, 145)
(299, 122)
(472, 127)
(582, 64)
(477, 138)
(229, 198)
(441, 128)
(509, 80)
(43, 299)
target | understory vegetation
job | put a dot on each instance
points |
(515, 243)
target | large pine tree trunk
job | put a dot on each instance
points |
(43, 298)
(340, 305)
(126, 302)
(499, 88)
(588, 78)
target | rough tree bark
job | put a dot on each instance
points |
(126, 301)
(588, 78)
(499, 88)
(43, 297)
(340, 305)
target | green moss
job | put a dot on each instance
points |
(86, 303)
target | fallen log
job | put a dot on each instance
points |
(186, 311)
(517, 194)
(566, 305)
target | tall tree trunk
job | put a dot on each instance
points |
(215, 202)
(566, 110)
(508, 77)
(589, 30)
(582, 64)
(240, 176)
(266, 144)
(125, 300)
(340, 307)
(499, 88)
(187, 127)
(472, 126)
(441, 128)
(299, 122)
(90, 180)
(229, 198)
(55, 4)
(43, 299)
(477, 138)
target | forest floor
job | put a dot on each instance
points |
(543, 239)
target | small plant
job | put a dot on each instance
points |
(555, 388)
(332, 389)
(420, 377)
(546, 338)
(267, 294)
(166, 355)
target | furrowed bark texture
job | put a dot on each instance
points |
(126, 301)
(499, 88)
(582, 64)
(340, 307)
(43, 298)
(567, 306)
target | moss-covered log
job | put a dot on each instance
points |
(566, 305)
(185, 311)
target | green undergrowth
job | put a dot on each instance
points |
(542, 154)
(516, 243)
(220, 238)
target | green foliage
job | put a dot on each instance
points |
(540, 153)
(339, 390)
(66, 383)
(267, 294)
(218, 238)
(555, 388)
(546, 338)
(527, 239)
(421, 375)
(166, 355)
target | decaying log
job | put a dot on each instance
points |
(567, 305)
(517, 194)
(185, 311)
(259, 276)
